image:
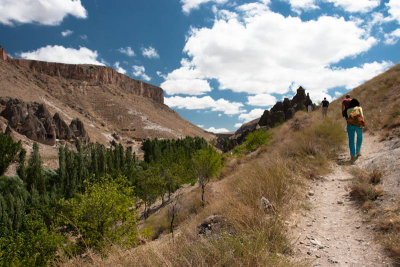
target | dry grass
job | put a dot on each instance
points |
(253, 236)
(159, 222)
(388, 224)
(386, 220)
(364, 186)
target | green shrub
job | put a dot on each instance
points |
(33, 245)
(102, 214)
(256, 139)
(206, 165)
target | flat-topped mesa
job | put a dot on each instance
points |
(91, 74)
(94, 74)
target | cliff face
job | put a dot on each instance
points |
(105, 101)
(91, 75)
(94, 75)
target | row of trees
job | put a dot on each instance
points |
(91, 195)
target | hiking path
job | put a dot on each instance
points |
(331, 230)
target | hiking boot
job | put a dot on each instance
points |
(353, 159)
(358, 155)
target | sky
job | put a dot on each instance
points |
(221, 63)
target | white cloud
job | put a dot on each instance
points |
(299, 5)
(139, 71)
(150, 52)
(127, 51)
(252, 115)
(119, 68)
(62, 54)
(217, 130)
(84, 37)
(262, 100)
(338, 94)
(205, 102)
(393, 37)
(265, 52)
(394, 9)
(49, 12)
(237, 125)
(356, 5)
(185, 80)
(188, 5)
(66, 33)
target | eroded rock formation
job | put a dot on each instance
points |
(283, 111)
(35, 122)
(280, 112)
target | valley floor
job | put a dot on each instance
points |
(332, 229)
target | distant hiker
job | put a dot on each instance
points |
(355, 124)
(325, 104)
(345, 106)
(308, 103)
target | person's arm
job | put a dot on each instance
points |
(362, 114)
(343, 108)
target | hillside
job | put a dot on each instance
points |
(314, 198)
(105, 100)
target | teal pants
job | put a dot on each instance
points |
(351, 131)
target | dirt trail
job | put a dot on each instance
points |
(333, 232)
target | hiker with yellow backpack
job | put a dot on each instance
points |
(355, 124)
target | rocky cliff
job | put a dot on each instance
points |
(90, 74)
(105, 101)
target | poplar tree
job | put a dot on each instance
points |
(34, 176)
(13, 197)
(9, 151)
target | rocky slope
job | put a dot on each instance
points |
(104, 100)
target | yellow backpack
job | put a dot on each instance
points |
(355, 117)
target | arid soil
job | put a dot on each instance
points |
(331, 230)
(103, 107)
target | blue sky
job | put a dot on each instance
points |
(220, 62)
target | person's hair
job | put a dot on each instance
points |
(354, 103)
(324, 98)
(347, 96)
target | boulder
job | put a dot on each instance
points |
(299, 100)
(15, 112)
(211, 225)
(45, 117)
(265, 119)
(115, 135)
(62, 130)
(277, 107)
(79, 131)
(33, 129)
(277, 117)
(265, 204)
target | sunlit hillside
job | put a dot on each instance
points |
(251, 234)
